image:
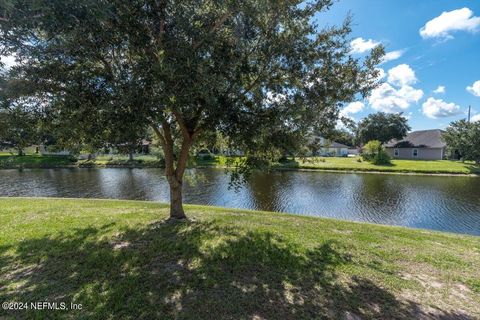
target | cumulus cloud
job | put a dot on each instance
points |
(8, 61)
(475, 118)
(474, 88)
(401, 75)
(387, 98)
(397, 93)
(381, 74)
(448, 22)
(360, 45)
(392, 55)
(273, 98)
(352, 108)
(440, 89)
(437, 108)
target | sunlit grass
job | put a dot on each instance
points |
(356, 163)
(7, 160)
(120, 259)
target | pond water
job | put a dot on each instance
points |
(432, 202)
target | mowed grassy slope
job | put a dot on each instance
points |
(121, 259)
(8, 161)
(415, 166)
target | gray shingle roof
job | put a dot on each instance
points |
(419, 139)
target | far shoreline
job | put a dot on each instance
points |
(273, 168)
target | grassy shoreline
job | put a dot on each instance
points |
(432, 167)
(121, 259)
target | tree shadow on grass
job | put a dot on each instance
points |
(191, 270)
(473, 169)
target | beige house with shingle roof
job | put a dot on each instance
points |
(421, 145)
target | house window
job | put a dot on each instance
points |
(415, 152)
(395, 152)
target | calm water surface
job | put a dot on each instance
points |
(439, 203)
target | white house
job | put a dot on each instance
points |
(328, 148)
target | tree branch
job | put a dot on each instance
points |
(182, 159)
(183, 126)
(168, 150)
(158, 133)
(215, 27)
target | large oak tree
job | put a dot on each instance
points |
(257, 71)
(383, 127)
(463, 137)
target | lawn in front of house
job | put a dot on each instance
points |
(121, 259)
(139, 160)
(397, 165)
(9, 161)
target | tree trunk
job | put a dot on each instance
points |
(130, 156)
(20, 152)
(176, 201)
(175, 168)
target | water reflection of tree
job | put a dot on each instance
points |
(73, 182)
(380, 197)
(268, 189)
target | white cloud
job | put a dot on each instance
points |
(397, 94)
(401, 75)
(8, 61)
(437, 108)
(360, 45)
(392, 55)
(273, 98)
(381, 74)
(440, 89)
(451, 21)
(475, 118)
(474, 88)
(352, 108)
(386, 98)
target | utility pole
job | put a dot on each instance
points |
(469, 109)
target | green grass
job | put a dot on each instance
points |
(121, 259)
(122, 161)
(414, 166)
(9, 161)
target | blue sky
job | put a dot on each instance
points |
(443, 52)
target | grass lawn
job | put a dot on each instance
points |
(120, 259)
(416, 166)
(122, 161)
(9, 161)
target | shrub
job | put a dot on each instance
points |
(381, 157)
(374, 153)
(283, 159)
(207, 157)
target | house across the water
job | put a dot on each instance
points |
(422, 145)
(328, 148)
